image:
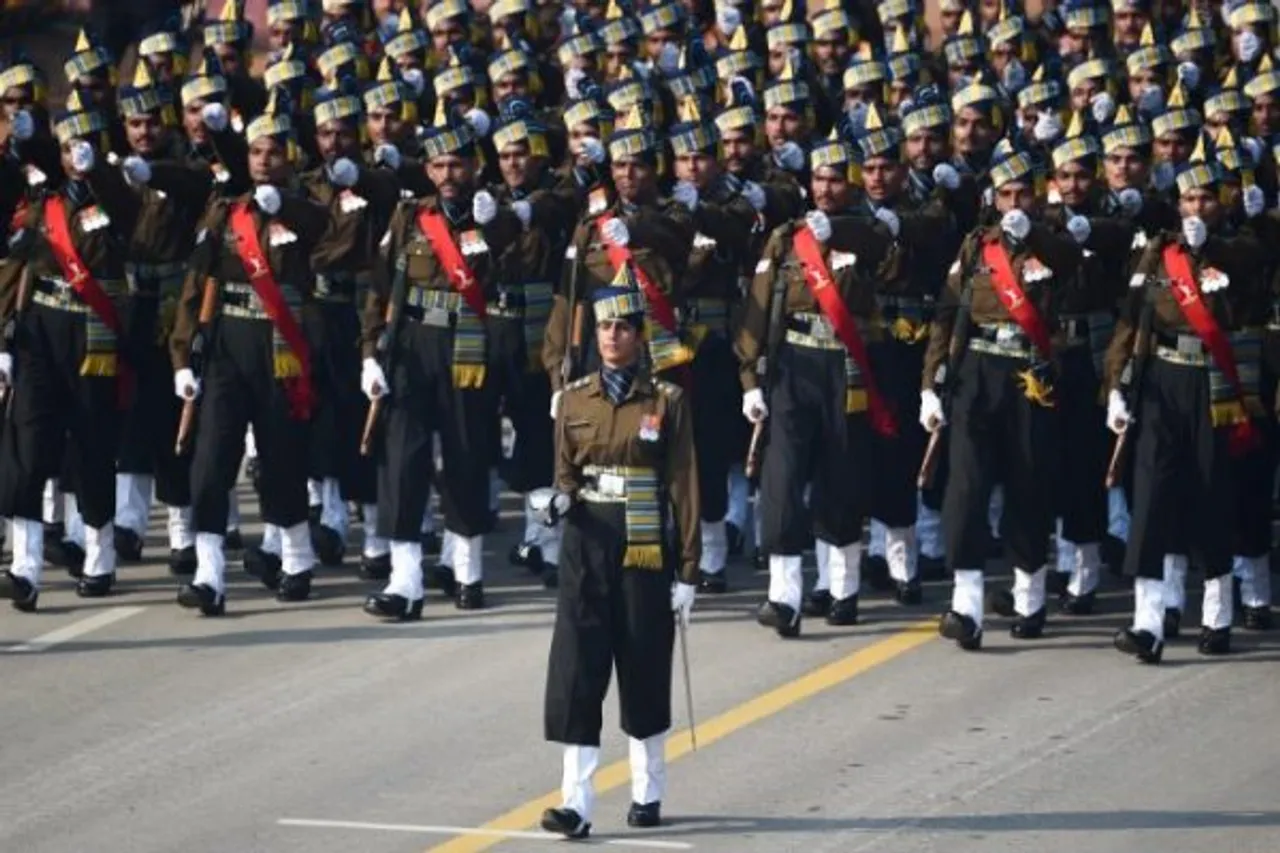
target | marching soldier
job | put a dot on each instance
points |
(242, 317)
(993, 342)
(618, 486)
(807, 317)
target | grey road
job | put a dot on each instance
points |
(133, 726)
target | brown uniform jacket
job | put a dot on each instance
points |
(287, 239)
(1042, 250)
(1102, 275)
(358, 217)
(1246, 301)
(720, 247)
(856, 255)
(595, 432)
(171, 206)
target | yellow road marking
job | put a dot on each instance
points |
(680, 744)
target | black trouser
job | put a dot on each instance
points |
(812, 440)
(424, 402)
(608, 616)
(897, 458)
(149, 429)
(717, 422)
(1184, 485)
(61, 422)
(339, 419)
(996, 431)
(1086, 450)
(239, 389)
(525, 391)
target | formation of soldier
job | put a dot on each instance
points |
(1012, 294)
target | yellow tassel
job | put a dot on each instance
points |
(908, 331)
(643, 557)
(1040, 393)
(468, 375)
(855, 400)
(98, 364)
(287, 366)
(695, 334)
(1232, 412)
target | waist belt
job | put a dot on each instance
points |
(167, 276)
(813, 331)
(1004, 339)
(1080, 328)
(710, 312)
(340, 287)
(437, 308)
(609, 483)
(59, 294)
(1186, 350)
(637, 489)
(240, 300)
(510, 304)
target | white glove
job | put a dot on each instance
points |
(267, 198)
(479, 121)
(1254, 146)
(616, 232)
(1014, 76)
(682, 598)
(82, 156)
(1117, 412)
(1047, 128)
(556, 508)
(1247, 46)
(344, 173)
(728, 19)
(1130, 201)
(373, 382)
(753, 406)
(668, 58)
(819, 224)
(1016, 224)
(483, 208)
(738, 79)
(1189, 74)
(136, 170)
(1254, 200)
(946, 176)
(6, 369)
(1162, 175)
(1194, 231)
(215, 117)
(1151, 100)
(1080, 229)
(22, 125)
(185, 384)
(555, 404)
(1103, 107)
(523, 211)
(387, 155)
(686, 194)
(592, 150)
(754, 195)
(789, 156)
(890, 220)
(414, 77)
(573, 81)
(931, 417)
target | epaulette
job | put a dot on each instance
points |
(579, 383)
(668, 389)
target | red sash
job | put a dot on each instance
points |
(455, 265)
(77, 274)
(297, 389)
(818, 278)
(1186, 291)
(657, 301)
(1021, 309)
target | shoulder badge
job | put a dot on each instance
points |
(667, 389)
(579, 383)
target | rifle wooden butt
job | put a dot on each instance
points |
(370, 424)
(185, 422)
(1115, 467)
(929, 465)
(752, 465)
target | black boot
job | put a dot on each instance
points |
(264, 566)
(1077, 605)
(1055, 584)
(294, 587)
(1028, 627)
(1172, 623)
(1257, 618)
(962, 629)
(565, 822)
(182, 561)
(1215, 641)
(128, 545)
(875, 571)
(780, 617)
(844, 611)
(375, 568)
(396, 608)
(712, 583)
(908, 593)
(470, 596)
(817, 603)
(327, 543)
(97, 586)
(528, 555)
(644, 816)
(21, 592)
(1140, 644)
(1000, 602)
(233, 541)
(204, 597)
(931, 568)
(443, 579)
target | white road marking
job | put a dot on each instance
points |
(76, 629)
(467, 830)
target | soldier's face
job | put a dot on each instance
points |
(782, 125)
(972, 132)
(1265, 115)
(1143, 80)
(1172, 147)
(384, 125)
(229, 57)
(1128, 26)
(510, 84)
(143, 133)
(633, 179)
(882, 178)
(336, 139)
(161, 65)
(193, 122)
(830, 54)
(1202, 202)
(618, 342)
(268, 161)
(616, 57)
(514, 163)
(1073, 42)
(65, 149)
(16, 99)
(1125, 168)
(447, 33)
(868, 94)
(1015, 195)
(830, 189)
(699, 169)
(739, 148)
(1073, 182)
(1081, 95)
(578, 133)
(451, 174)
(925, 149)
(281, 35)
(655, 42)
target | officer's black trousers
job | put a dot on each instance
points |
(717, 406)
(58, 416)
(812, 440)
(525, 392)
(423, 403)
(996, 429)
(239, 389)
(149, 428)
(1185, 482)
(897, 458)
(1086, 449)
(608, 616)
(339, 419)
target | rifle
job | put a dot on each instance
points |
(1138, 367)
(11, 333)
(208, 306)
(946, 378)
(777, 304)
(392, 320)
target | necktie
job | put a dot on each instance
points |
(617, 383)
